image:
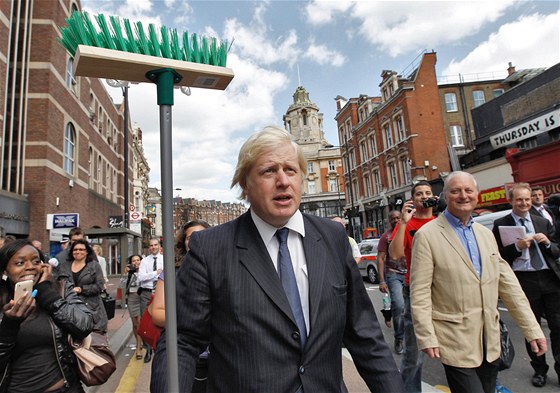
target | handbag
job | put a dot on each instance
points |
(147, 329)
(507, 351)
(96, 361)
(109, 303)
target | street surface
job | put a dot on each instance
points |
(133, 376)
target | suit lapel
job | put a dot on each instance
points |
(316, 256)
(254, 256)
(450, 235)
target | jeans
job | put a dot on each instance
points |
(395, 282)
(413, 359)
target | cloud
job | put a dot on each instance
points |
(322, 55)
(324, 12)
(529, 42)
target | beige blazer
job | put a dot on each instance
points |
(454, 309)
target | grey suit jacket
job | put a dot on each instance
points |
(541, 225)
(229, 296)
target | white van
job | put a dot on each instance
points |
(488, 219)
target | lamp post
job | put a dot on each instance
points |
(124, 87)
(351, 214)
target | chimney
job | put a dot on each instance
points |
(511, 69)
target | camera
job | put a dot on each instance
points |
(131, 268)
(430, 202)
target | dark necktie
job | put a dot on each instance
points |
(536, 260)
(288, 278)
(155, 263)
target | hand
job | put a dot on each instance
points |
(159, 271)
(433, 353)
(524, 243)
(541, 238)
(538, 346)
(383, 287)
(78, 290)
(408, 211)
(46, 272)
(20, 309)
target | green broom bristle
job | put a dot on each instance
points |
(82, 30)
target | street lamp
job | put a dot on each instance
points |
(124, 87)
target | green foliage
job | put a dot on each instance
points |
(82, 30)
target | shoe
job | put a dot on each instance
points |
(539, 380)
(139, 353)
(148, 356)
(399, 347)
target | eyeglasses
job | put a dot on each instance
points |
(79, 249)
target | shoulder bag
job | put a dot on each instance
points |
(147, 329)
(96, 361)
(508, 352)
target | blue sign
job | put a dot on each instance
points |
(68, 220)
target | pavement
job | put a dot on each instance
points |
(136, 378)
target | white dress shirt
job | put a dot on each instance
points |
(297, 253)
(146, 273)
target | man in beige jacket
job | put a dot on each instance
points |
(457, 276)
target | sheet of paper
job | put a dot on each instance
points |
(510, 235)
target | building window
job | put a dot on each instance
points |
(377, 180)
(528, 143)
(478, 97)
(99, 174)
(497, 92)
(405, 166)
(91, 167)
(333, 185)
(451, 102)
(332, 167)
(367, 185)
(373, 144)
(304, 117)
(363, 151)
(309, 167)
(456, 135)
(69, 148)
(388, 135)
(400, 128)
(393, 175)
(311, 189)
(70, 78)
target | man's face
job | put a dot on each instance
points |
(421, 193)
(76, 237)
(521, 201)
(394, 217)
(537, 198)
(273, 185)
(154, 247)
(461, 196)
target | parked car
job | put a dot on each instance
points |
(368, 262)
(488, 219)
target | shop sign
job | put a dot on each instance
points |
(526, 130)
(492, 196)
(64, 220)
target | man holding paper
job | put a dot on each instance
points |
(525, 242)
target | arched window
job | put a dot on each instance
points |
(108, 181)
(69, 148)
(99, 173)
(71, 82)
(91, 163)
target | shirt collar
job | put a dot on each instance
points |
(518, 218)
(267, 231)
(455, 222)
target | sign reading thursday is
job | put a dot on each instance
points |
(526, 130)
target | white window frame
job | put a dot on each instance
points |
(69, 149)
(456, 136)
(311, 187)
(451, 102)
(478, 97)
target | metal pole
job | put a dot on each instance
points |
(125, 188)
(165, 79)
(350, 226)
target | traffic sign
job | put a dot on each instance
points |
(135, 216)
(131, 207)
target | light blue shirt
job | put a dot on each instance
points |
(468, 240)
(523, 263)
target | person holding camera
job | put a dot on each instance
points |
(415, 213)
(133, 299)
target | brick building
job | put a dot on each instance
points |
(391, 141)
(61, 135)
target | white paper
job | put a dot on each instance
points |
(511, 235)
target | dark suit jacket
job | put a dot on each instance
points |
(535, 212)
(229, 296)
(541, 225)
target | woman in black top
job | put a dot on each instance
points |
(87, 276)
(34, 351)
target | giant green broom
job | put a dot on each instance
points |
(102, 50)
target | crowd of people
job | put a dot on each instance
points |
(268, 299)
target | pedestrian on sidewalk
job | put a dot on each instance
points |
(457, 275)
(391, 279)
(133, 299)
(275, 292)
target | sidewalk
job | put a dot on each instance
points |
(119, 329)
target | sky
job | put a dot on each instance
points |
(330, 48)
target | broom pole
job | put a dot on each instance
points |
(165, 79)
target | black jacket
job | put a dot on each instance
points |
(68, 315)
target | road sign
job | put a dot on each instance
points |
(134, 216)
(131, 208)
